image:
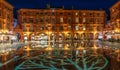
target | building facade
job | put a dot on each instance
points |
(60, 25)
(115, 19)
(6, 16)
(6, 21)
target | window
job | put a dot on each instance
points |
(41, 19)
(61, 28)
(31, 28)
(37, 13)
(84, 14)
(46, 27)
(84, 20)
(31, 13)
(0, 24)
(91, 19)
(69, 19)
(41, 28)
(36, 20)
(98, 20)
(69, 27)
(98, 28)
(91, 14)
(61, 13)
(53, 28)
(53, 13)
(98, 14)
(117, 23)
(24, 20)
(47, 20)
(41, 13)
(90, 29)
(31, 20)
(53, 10)
(46, 13)
(0, 13)
(76, 27)
(76, 13)
(24, 13)
(84, 27)
(25, 29)
(53, 20)
(77, 20)
(61, 19)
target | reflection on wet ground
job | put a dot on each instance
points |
(85, 56)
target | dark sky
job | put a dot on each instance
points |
(78, 4)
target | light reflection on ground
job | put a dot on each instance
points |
(98, 56)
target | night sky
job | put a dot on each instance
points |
(78, 4)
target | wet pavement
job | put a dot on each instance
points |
(88, 56)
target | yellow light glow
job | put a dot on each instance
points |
(80, 48)
(66, 48)
(49, 48)
(28, 49)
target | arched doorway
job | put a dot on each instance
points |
(68, 40)
(91, 36)
(25, 37)
(96, 35)
(32, 37)
(83, 36)
(76, 40)
(53, 40)
(61, 40)
(43, 40)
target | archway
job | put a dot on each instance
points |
(96, 35)
(76, 40)
(25, 37)
(53, 40)
(61, 40)
(43, 40)
(68, 40)
(91, 36)
(32, 37)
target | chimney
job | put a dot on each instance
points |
(63, 7)
(48, 6)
